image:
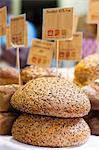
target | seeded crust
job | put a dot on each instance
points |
(87, 70)
(8, 75)
(49, 131)
(51, 96)
(33, 72)
(6, 91)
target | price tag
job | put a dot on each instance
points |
(93, 13)
(3, 17)
(17, 30)
(57, 23)
(40, 53)
(71, 49)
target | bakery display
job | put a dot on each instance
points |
(6, 92)
(34, 71)
(87, 70)
(50, 131)
(6, 122)
(8, 75)
(51, 96)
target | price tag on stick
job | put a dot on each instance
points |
(41, 53)
(57, 24)
(17, 32)
(71, 49)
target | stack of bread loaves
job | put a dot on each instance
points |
(52, 113)
(8, 80)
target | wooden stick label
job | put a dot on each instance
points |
(71, 49)
(17, 30)
(41, 53)
(57, 23)
(3, 17)
(93, 13)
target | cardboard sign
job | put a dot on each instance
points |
(17, 30)
(75, 23)
(40, 53)
(93, 13)
(3, 17)
(71, 49)
(57, 23)
(8, 38)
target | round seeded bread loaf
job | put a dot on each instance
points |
(92, 90)
(51, 96)
(87, 70)
(6, 92)
(49, 131)
(8, 75)
(32, 72)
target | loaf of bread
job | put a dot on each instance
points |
(93, 121)
(50, 131)
(6, 92)
(51, 96)
(8, 75)
(6, 122)
(87, 70)
(92, 90)
(33, 72)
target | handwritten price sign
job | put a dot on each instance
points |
(40, 53)
(57, 23)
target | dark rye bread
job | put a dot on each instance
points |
(6, 91)
(49, 131)
(51, 96)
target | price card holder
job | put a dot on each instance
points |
(93, 12)
(17, 36)
(41, 53)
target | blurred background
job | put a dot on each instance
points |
(34, 11)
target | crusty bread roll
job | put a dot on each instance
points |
(6, 91)
(87, 70)
(8, 75)
(93, 121)
(34, 71)
(6, 122)
(92, 90)
(51, 96)
(50, 131)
